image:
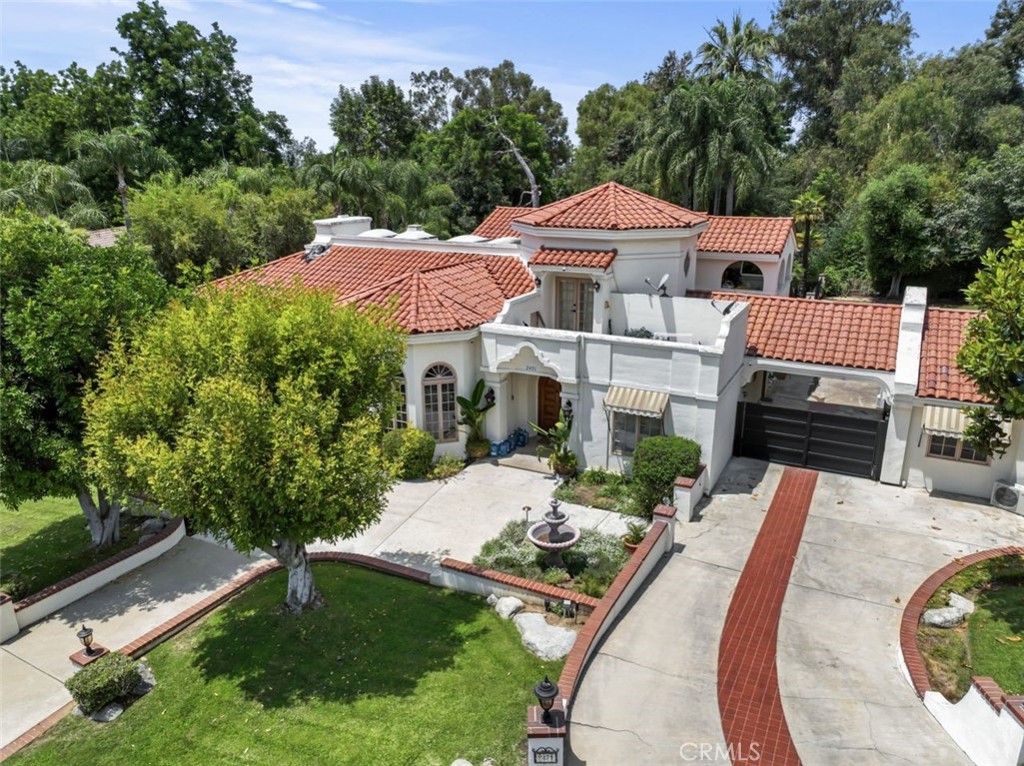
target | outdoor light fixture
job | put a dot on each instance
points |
(567, 409)
(536, 281)
(489, 397)
(546, 693)
(85, 636)
(597, 287)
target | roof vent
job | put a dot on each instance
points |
(377, 234)
(314, 251)
(415, 231)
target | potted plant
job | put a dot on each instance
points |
(473, 411)
(561, 458)
(635, 534)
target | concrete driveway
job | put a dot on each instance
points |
(651, 690)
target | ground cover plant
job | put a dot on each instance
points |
(387, 672)
(597, 488)
(30, 535)
(590, 566)
(991, 642)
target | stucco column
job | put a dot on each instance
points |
(571, 396)
(496, 425)
(908, 366)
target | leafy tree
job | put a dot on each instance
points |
(191, 96)
(431, 94)
(483, 172)
(895, 215)
(1006, 33)
(257, 413)
(222, 220)
(123, 150)
(493, 88)
(742, 49)
(62, 302)
(374, 120)
(992, 354)
(838, 55)
(673, 71)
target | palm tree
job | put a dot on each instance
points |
(49, 189)
(808, 209)
(124, 151)
(709, 147)
(743, 49)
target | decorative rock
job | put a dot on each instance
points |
(965, 605)
(548, 642)
(947, 617)
(107, 713)
(461, 762)
(492, 599)
(151, 526)
(508, 606)
(143, 539)
(166, 515)
(146, 681)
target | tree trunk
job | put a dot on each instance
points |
(103, 516)
(894, 285)
(805, 256)
(301, 591)
(122, 189)
(730, 195)
(530, 178)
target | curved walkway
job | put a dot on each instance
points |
(748, 683)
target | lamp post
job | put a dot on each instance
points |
(85, 636)
(546, 693)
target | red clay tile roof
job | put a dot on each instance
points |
(745, 235)
(497, 223)
(586, 259)
(435, 291)
(939, 377)
(106, 237)
(861, 335)
(612, 207)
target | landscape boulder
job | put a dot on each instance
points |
(946, 617)
(965, 605)
(549, 642)
(152, 526)
(508, 606)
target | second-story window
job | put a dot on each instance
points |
(575, 309)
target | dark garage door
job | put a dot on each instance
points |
(822, 440)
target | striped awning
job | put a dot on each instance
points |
(948, 421)
(633, 401)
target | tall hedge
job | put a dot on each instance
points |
(657, 461)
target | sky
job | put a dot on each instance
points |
(299, 51)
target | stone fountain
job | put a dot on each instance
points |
(554, 535)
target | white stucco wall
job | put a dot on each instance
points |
(943, 475)
(989, 738)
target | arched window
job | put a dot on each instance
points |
(743, 275)
(439, 410)
(401, 409)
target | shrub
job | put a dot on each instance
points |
(445, 468)
(103, 681)
(16, 585)
(413, 449)
(556, 576)
(657, 461)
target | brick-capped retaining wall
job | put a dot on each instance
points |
(57, 596)
(659, 541)
(986, 723)
(176, 624)
(473, 579)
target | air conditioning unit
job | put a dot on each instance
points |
(1009, 497)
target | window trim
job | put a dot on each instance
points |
(401, 418)
(956, 456)
(583, 292)
(437, 383)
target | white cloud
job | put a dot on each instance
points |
(303, 5)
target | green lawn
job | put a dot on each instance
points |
(388, 672)
(45, 541)
(995, 634)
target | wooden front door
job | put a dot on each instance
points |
(549, 401)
